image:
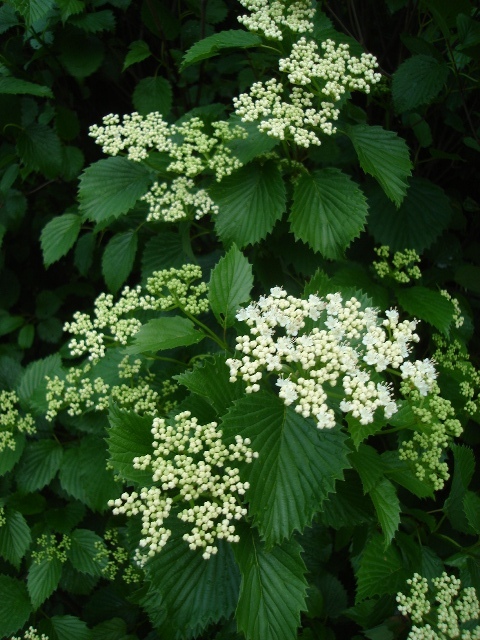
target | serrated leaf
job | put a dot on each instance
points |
(164, 251)
(40, 149)
(328, 211)
(273, 588)
(70, 7)
(110, 188)
(368, 464)
(387, 506)
(58, 237)
(471, 507)
(153, 94)
(360, 432)
(95, 22)
(347, 506)
(218, 42)
(9, 323)
(250, 201)
(210, 379)
(463, 469)
(40, 462)
(417, 81)
(10, 457)
(427, 305)
(381, 570)
(83, 257)
(255, 144)
(118, 258)
(385, 156)
(15, 537)
(423, 215)
(15, 86)
(129, 435)
(84, 551)
(42, 580)
(113, 629)
(8, 18)
(15, 607)
(230, 285)
(32, 10)
(195, 592)
(401, 472)
(137, 51)
(69, 627)
(296, 467)
(165, 333)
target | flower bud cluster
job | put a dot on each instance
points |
(447, 607)
(269, 18)
(31, 634)
(12, 421)
(114, 558)
(403, 266)
(192, 151)
(343, 344)
(436, 426)
(116, 322)
(189, 464)
(49, 548)
(458, 319)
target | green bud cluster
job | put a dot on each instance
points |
(402, 267)
(12, 421)
(441, 610)
(458, 319)
(31, 634)
(49, 548)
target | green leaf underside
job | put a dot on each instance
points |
(196, 592)
(59, 236)
(16, 86)
(43, 579)
(297, 464)
(230, 285)
(129, 435)
(427, 305)
(15, 607)
(250, 201)
(328, 211)
(381, 570)
(273, 588)
(213, 45)
(210, 379)
(165, 333)
(15, 537)
(417, 81)
(110, 187)
(385, 156)
(423, 215)
(118, 258)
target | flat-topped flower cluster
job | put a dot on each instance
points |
(269, 18)
(320, 343)
(12, 422)
(189, 464)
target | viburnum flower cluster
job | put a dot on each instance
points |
(189, 464)
(12, 422)
(450, 610)
(31, 634)
(402, 267)
(318, 344)
(192, 151)
(269, 18)
(115, 322)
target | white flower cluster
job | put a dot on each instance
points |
(448, 609)
(192, 151)
(190, 464)
(270, 17)
(329, 76)
(344, 343)
(11, 420)
(31, 634)
(116, 323)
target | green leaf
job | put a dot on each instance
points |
(368, 464)
(130, 435)
(58, 237)
(250, 201)
(471, 507)
(468, 276)
(210, 379)
(381, 570)
(42, 580)
(423, 215)
(15, 607)
(463, 469)
(26, 336)
(165, 333)
(348, 506)
(9, 324)
(110, 188)
(40, 462)
(230, 285)
(113, 629)
(385, 156)
(8, 18)
(84, 474)
(16, 86)
(273, 589)
(69, 628)
(138, 51)
(15, 537)
(427, 305)
(80, 54)
(84, 249)
(70, 7)
(195, 592)
(360, 432)
(118, 258)
(164, 251)
(153, 94)
(417, 81)
(328, 211)
(40, 150)
(84, 550)
(10, 457)
(32, 10)
(255, 144)
(215, 44)
(297, 464)
(401, 472)
(387, 506)
(95, 22)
